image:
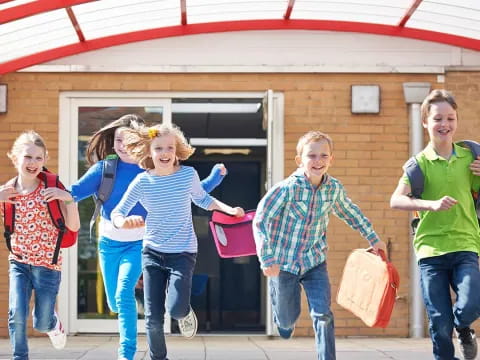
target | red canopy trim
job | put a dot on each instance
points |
(215, 27)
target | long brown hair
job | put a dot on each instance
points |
(101, 143)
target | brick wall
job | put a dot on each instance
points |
(369, 149)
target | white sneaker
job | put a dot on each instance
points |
(188, 325)
(57, 335)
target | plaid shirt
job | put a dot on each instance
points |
(291, 222)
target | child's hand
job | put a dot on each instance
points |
(133, 221)
(238, 212)
(380, 245)
(53, 193)
(273, 270)
(475, 166)
(7, 193)
(444, 203)
(223, 169)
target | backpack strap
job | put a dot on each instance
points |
(415, 176)
(109, 172)
(9, 219)
(475, 149)
(52, 180)
(416, 179)
(472, 145)
(8, 223)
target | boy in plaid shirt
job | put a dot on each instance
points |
(290, 233)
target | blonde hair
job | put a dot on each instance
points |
(137, 143)
(25, 138)
(436, 96)
(313, 136)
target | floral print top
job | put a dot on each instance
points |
(34, 238)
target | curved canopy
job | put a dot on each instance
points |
(34, 32)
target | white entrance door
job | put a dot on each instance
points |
(82, 300)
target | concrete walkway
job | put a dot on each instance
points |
(102, 347)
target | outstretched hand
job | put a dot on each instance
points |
(53, 193)
(380, 245)
(223, 169)
(238, 212)
(273, 270)
(7, 193)
(133, 221)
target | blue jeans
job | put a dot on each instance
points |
(285, 295)
(459, 271)
(167, 283)
(23, 279)
(121, 266)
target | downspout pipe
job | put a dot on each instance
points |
(414, 93)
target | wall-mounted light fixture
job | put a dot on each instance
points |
(215, 108)
(365, 99)
(3, 98)
(227, 151)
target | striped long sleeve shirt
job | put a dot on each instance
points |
(167, 199)
(290, 225)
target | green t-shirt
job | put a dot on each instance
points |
(456, 229)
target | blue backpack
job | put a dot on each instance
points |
(416, 178)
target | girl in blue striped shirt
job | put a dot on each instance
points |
(119, 250)
(166, 191)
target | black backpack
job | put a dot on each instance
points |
(109, 172)
(415, 176)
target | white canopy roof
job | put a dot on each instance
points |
(34, 32)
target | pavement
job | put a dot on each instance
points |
(238, 347)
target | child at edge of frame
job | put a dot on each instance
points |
(447, 238)
(33, 267)
(290, 228)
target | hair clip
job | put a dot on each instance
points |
(152, 133)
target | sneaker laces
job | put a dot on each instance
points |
(186, 322)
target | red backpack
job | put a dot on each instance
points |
(66, 237)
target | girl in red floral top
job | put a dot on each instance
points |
(33, 244)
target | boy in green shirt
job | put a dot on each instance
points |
(447, 240)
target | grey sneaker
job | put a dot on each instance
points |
(188, 325)
(468, 343)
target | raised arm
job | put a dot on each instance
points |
(218, 173)
(88, 184)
